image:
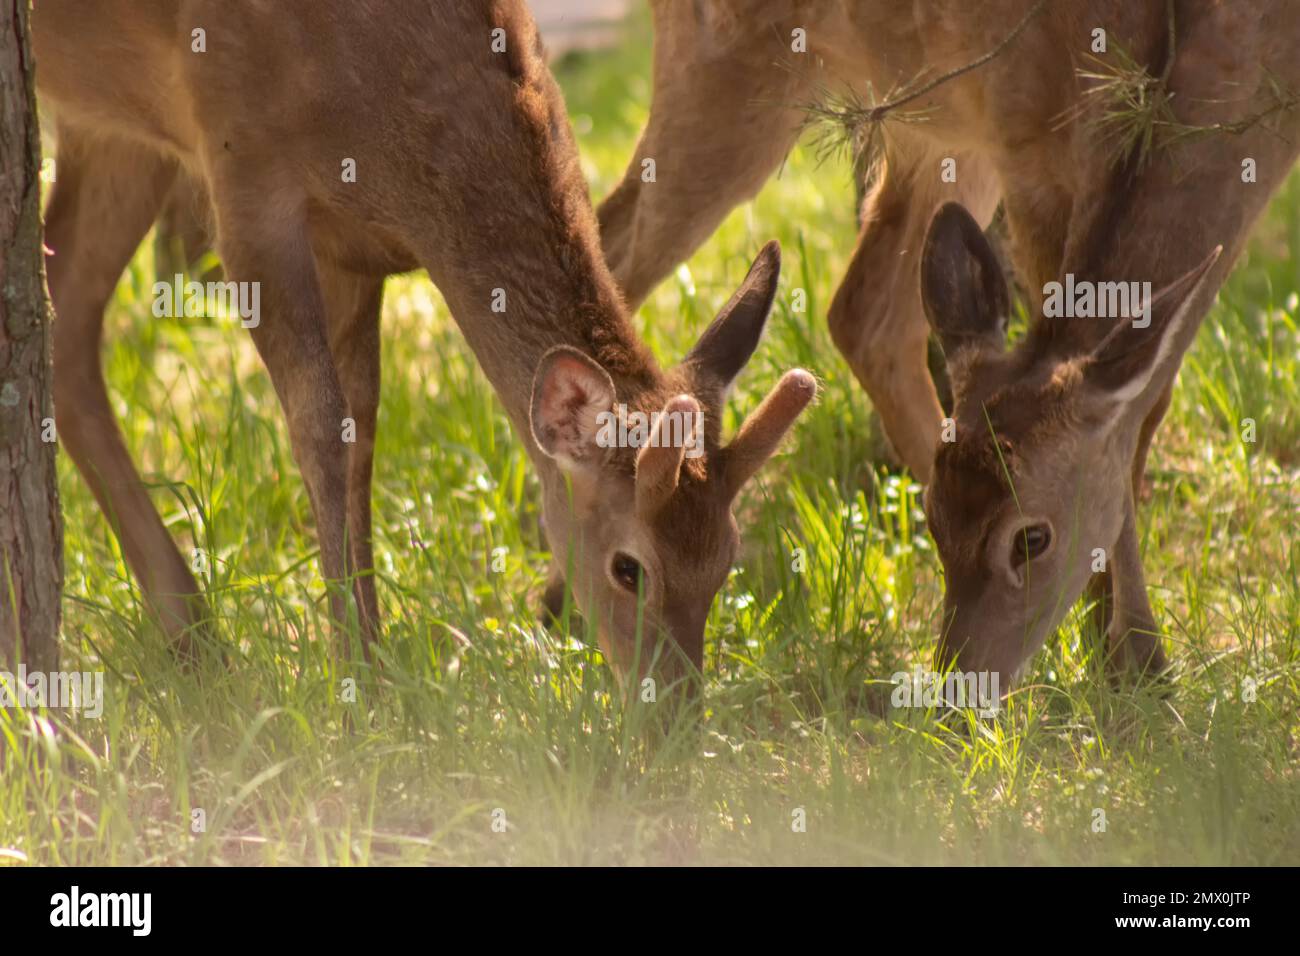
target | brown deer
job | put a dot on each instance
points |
(465, 165)
(1045, 434)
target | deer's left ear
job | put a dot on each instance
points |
(571, 396)
(1137, 359)
(730, 340)
(963, 289)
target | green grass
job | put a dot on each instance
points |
(481, 710)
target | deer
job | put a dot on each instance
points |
(465, 165)
(1008, 108)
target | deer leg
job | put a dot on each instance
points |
(1133, 642)
(1100, 585)
(701, 138)
(182, 235)
(354, 303)
(102, 205)
(876, 318)
(272, 251)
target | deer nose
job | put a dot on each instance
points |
(686, 628)
(991, 656)
(953, 638)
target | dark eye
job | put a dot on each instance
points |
(627, 571)
(1029, 543)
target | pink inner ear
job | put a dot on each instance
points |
(563, 396)
(570, 399)
(568, 388)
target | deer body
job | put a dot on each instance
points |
(465, 165)
(729, 99)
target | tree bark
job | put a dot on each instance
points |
(31, 527)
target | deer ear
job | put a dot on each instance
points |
(962, 287)
(729, 342)
(570, 393)
(1137, 357)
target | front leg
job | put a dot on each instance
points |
(354, 303)
(266, 251)
(1132, 640)
(1099, 587)
(876, 318)
(724, 113)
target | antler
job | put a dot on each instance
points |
(763, 430)
(659, 463)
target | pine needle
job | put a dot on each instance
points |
(844, 120)
(1135, 108)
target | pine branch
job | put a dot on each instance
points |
(846, 120)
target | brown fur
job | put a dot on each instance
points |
(1018, 129)
(466, 166)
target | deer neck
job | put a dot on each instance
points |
(512, 242)
(534, 297)
(521, 283)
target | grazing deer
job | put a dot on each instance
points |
(465, 165)
(1057, 422)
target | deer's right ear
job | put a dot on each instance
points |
(1133, 359)
(962, 286)
(730, 340)
(571, 397)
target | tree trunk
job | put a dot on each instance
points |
(31, 528)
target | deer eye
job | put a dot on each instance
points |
(1029, 543)
(627, 571)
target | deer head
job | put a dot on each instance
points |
(1029, 497)
(644, 526)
